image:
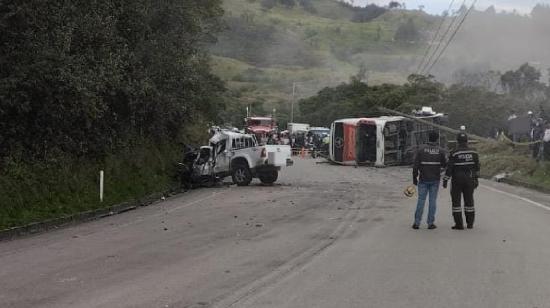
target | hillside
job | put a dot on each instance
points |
(263, 51)
(269, 45)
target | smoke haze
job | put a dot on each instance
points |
(499, 42)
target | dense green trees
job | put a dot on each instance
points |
(524, 83)
(86, 77)
(478, 106)
(367, 13)
(109, 85)
(357, 99)
(354, 99)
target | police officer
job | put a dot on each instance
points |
(428, 163)
(463, 169)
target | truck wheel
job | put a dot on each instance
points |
(269, 177)
(241, 175)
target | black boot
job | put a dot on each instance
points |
(470, 218)
(459, 224)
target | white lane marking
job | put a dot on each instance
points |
(540, 205)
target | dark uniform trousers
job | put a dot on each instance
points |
(462, 186)
(463, 169)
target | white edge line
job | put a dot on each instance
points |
(540, 205)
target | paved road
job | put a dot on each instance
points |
(326, 236)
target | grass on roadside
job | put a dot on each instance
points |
(37, 192)
(497, 158)
(65, 186)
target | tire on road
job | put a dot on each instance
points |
(268, 177)
(241, 175)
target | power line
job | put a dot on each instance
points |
(452, 37)
(443, 38)
(429, 47)
(451, 25)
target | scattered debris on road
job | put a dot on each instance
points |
(501, 176)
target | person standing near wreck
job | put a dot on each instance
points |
(429, 161)
(463, 171)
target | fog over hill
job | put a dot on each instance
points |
(270, 47)
(491, 41)
(495, 38)
(438, 6)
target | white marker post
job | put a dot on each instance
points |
(101, 178)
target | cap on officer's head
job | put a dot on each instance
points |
(462, 138)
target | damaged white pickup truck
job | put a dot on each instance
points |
(239, 156)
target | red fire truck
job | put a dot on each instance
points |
(261, 127)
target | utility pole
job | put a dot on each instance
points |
(292, 102)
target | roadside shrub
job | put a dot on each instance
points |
(39, 191)
(368, 13)
(85, 77)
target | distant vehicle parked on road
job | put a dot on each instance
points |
(294, 128)
(261, 127)
(319, 141)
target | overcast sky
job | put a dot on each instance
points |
(438, 6)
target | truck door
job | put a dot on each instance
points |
(223, 156)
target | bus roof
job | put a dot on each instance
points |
(378, 120)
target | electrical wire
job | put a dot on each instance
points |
(447, 129)
(434, 38)
(452, 37)
(451, 25)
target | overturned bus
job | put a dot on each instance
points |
(382, 141)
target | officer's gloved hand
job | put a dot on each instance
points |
(445, 183)
(415, 181)
(476, 183)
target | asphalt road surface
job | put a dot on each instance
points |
(325, 236)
